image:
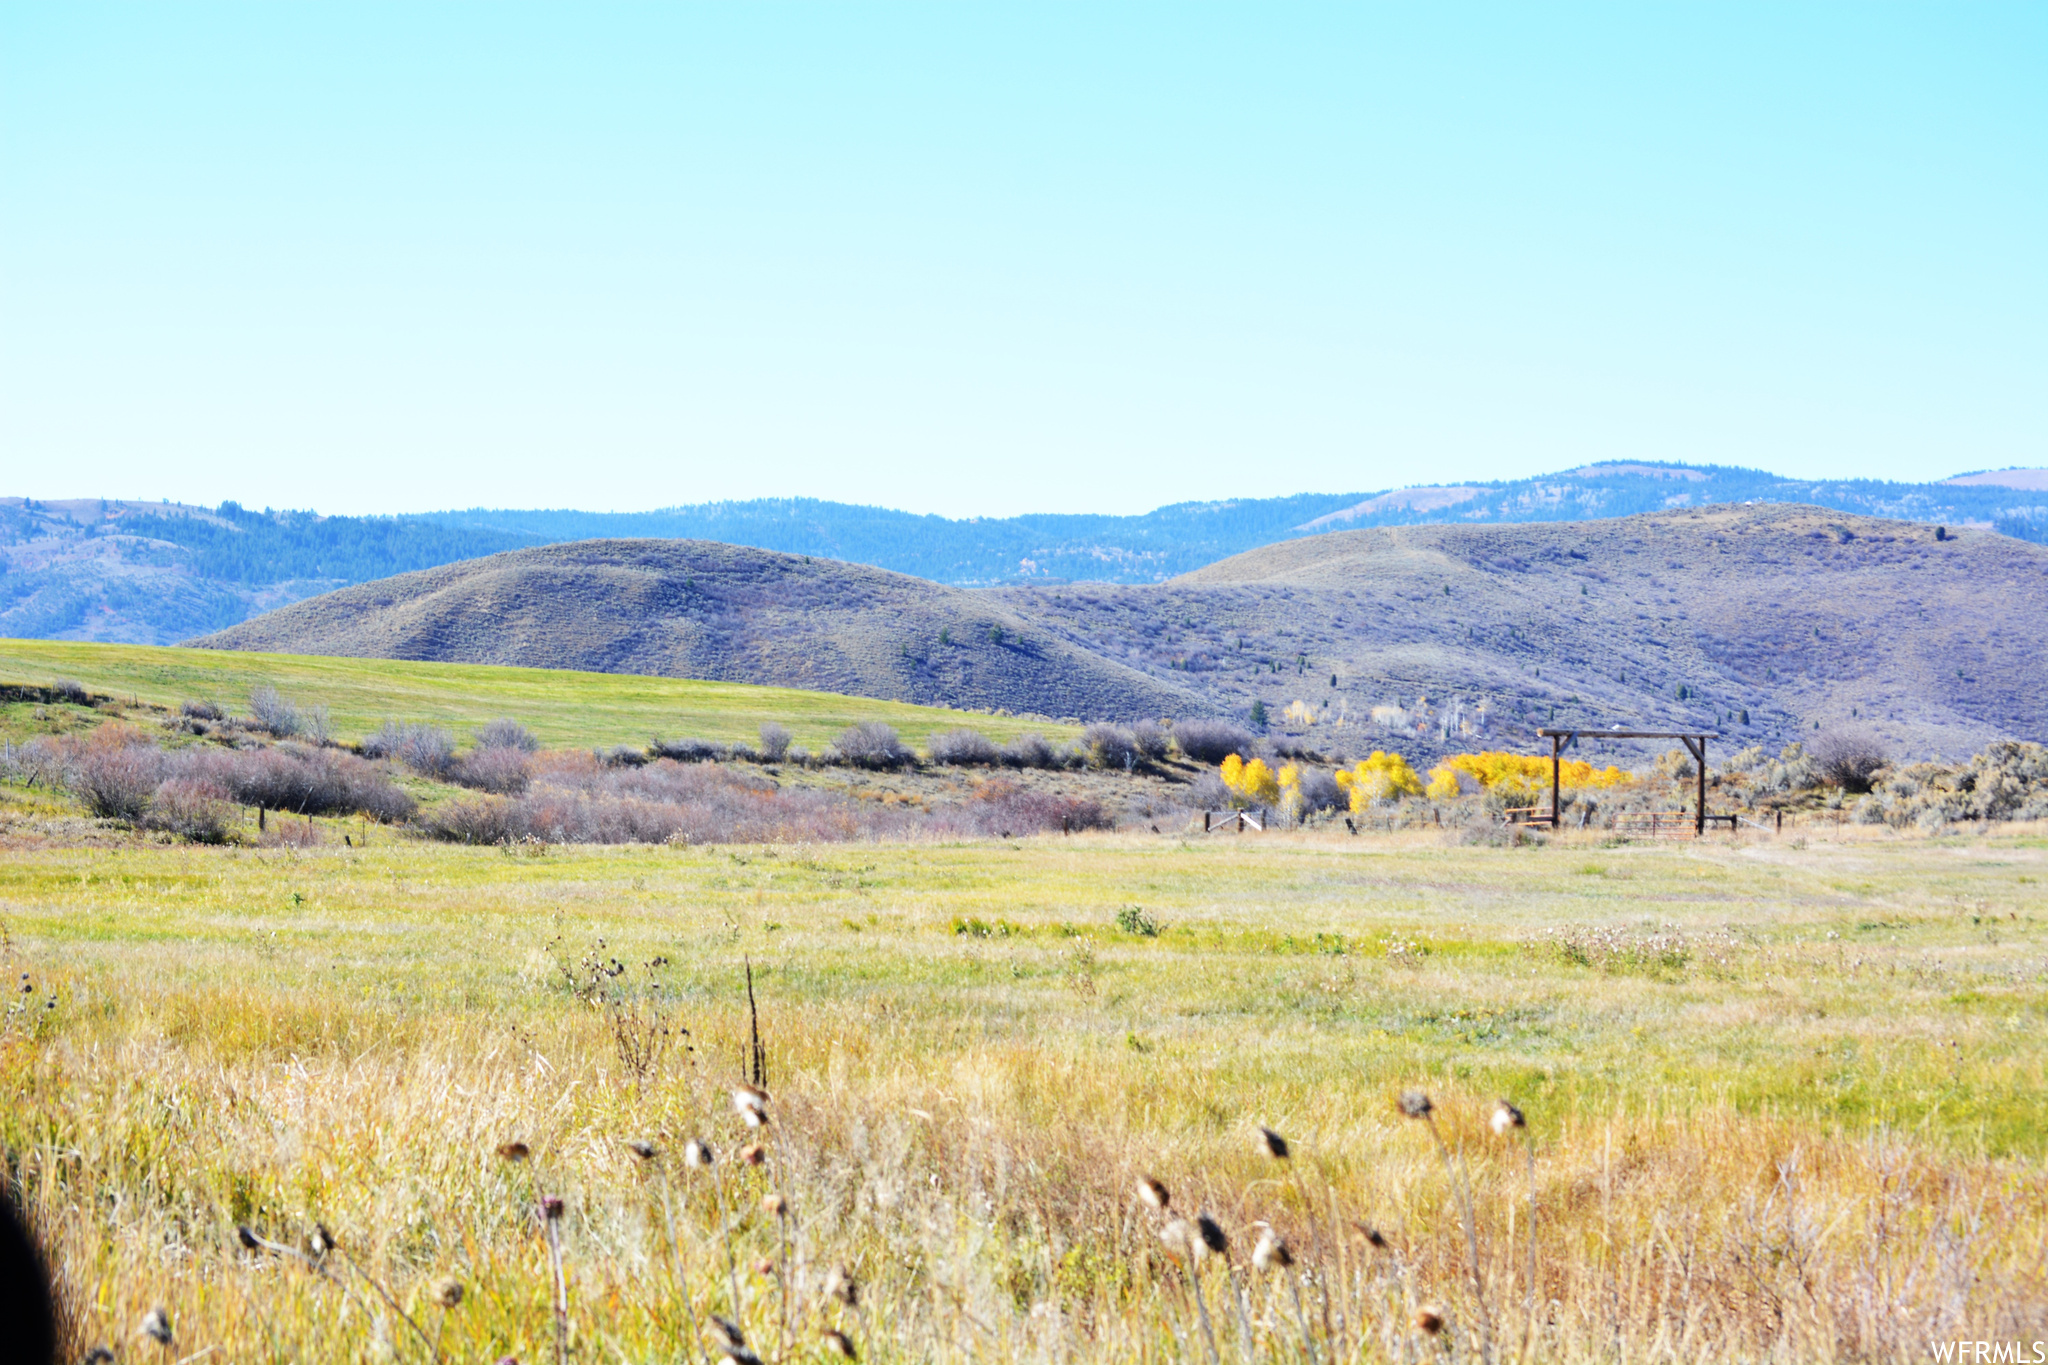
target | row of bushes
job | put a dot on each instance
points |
(668, 801)
(194, 793)
(874, 744)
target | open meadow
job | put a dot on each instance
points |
(1785, 1098)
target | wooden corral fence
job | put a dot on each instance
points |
(1237, 821)
(1672, 824)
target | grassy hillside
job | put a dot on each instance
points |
(561, 707)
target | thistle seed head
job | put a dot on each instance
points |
(1212, 1234)
(1273, 1144)
(697, 1153)
(551, 1207)
(1178, 1237)
(447, 1291)
(1428, 1321)
(321, 1242)
(838, 1343)
(247, 1238)
(1153, 1193)
(99, 1355)
(514, 1151)
(765, 1267)
(749, 1099)
(752, 1155)
(754, 1118)
(774, 1205)
(643, 1151)
(1271, 1253)
(156, 1325)
(1371, 1236)
(841, 1285)
(725, 1334)
(1415, 1104)
(1506, 1118)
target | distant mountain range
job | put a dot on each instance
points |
(156, 573)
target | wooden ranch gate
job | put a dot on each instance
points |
(1695, 742)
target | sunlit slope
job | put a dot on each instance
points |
(563, 707)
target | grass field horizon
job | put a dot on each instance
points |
(563, 708)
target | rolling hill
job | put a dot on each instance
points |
(698, 609)
(1760, 621)
(153, 573)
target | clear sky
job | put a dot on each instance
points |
(983, 260)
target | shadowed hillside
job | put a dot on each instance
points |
(1449, 636)
(698, 609)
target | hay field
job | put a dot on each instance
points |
(562, 707)
(1785, 1099)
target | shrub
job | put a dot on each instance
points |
(1003, 806)
(872, 744)
(502, 769)
(1211, 741)
(426, 749)
(274, 714)
(1027, 751)
(1847, 757)
(116, 781)
(478, 820)
(203, 710)
(963, 748)
(620, 756)
(1152, 741)
(774, 742)
(506, 733)
(295, 778)
(1109, 746)
(198, 811)
(73, 691)
(687, 750)
(1309, 791)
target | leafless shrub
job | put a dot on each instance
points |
(963, 748)
(477, 820)
(872, 744)
(1028, 751)
(1319, 792)
(198, 811)
(1153, 742)
(273, 714)
(774, 742)
(687, 750)
(501, 769)
(1207, 792)
(71, 690)
(620, 756)
(1848, 756)
(295, 778)
(1003, 806)
(203, 710)
(1109, 746)
(116, 781)
(1211, 741)
(426, 749)
(506, 733)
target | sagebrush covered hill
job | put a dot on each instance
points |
(699, 609)
(1762, 622)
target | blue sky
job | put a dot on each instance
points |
(981, 260)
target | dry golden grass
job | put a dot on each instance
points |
(1784, 1103)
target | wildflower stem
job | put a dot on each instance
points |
(1202, 1313)
(1456, 1172)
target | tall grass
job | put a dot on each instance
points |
(1768, 1151)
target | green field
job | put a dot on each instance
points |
(1786, 1100)
(562, 708)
